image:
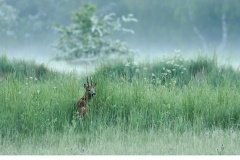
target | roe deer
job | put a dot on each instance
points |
(82, 103)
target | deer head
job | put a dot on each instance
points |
(89, 89)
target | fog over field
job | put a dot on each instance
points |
(125, 77)
(163, 28)
(44, 54)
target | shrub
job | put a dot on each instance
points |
(23, 69)
(89, 35)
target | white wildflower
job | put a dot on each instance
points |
(135, 63)
(177, 65)
(169, 71)
(127, 65)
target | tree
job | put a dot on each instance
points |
(8, 16)
(89, 36)
(204, 23)
(35, 19)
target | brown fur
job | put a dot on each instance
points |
(82, 103)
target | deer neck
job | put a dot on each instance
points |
(87, 97)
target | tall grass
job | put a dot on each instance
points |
(21, 69)
(195, 94)
(32, 103)
(112, 141)
(169, 95)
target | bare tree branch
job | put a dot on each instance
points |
(195, 28)
(223, 43)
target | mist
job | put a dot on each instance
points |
(164, 28)
(124, 77)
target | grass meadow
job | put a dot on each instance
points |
(169, 106)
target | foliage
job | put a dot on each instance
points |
(33, 20)
(21, 69)
(172, 70)
(169, 91)
(202, 103)
(174, 21)
(33, 110)
(161, 23)
(8, 17)
(88, 35)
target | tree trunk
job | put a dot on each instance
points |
(195, 28)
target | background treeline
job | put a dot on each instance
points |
(183, 23)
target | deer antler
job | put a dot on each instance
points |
(91, 81)
(82, 103)
(87, 82)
